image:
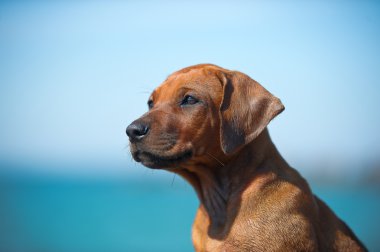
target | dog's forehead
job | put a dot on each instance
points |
(200, 80)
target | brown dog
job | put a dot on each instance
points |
(208, 124)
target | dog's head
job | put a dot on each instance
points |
(200, 110)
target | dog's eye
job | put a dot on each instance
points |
(189, 100)
(150, 104)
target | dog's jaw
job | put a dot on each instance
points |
(157, 161)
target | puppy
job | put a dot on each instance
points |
(208, 124)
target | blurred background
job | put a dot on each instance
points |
(74, 74)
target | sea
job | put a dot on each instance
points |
(136, 213)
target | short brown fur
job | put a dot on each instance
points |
(250, 198)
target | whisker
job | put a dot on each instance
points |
(173, 180)
(126, 146)
(220, 162)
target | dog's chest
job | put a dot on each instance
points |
(201, 240)
(204, 241)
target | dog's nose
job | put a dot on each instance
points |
(137, 130)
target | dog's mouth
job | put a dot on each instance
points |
(156, 161)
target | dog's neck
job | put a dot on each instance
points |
(216, 179)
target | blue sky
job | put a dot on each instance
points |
(74, 74)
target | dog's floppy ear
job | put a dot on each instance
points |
(245, 110)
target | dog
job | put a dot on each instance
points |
(209, 125)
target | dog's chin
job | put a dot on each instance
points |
(156, 161)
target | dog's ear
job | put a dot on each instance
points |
(245, 110)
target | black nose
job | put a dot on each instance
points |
(137, 130)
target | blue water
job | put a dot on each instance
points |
(112, 215)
